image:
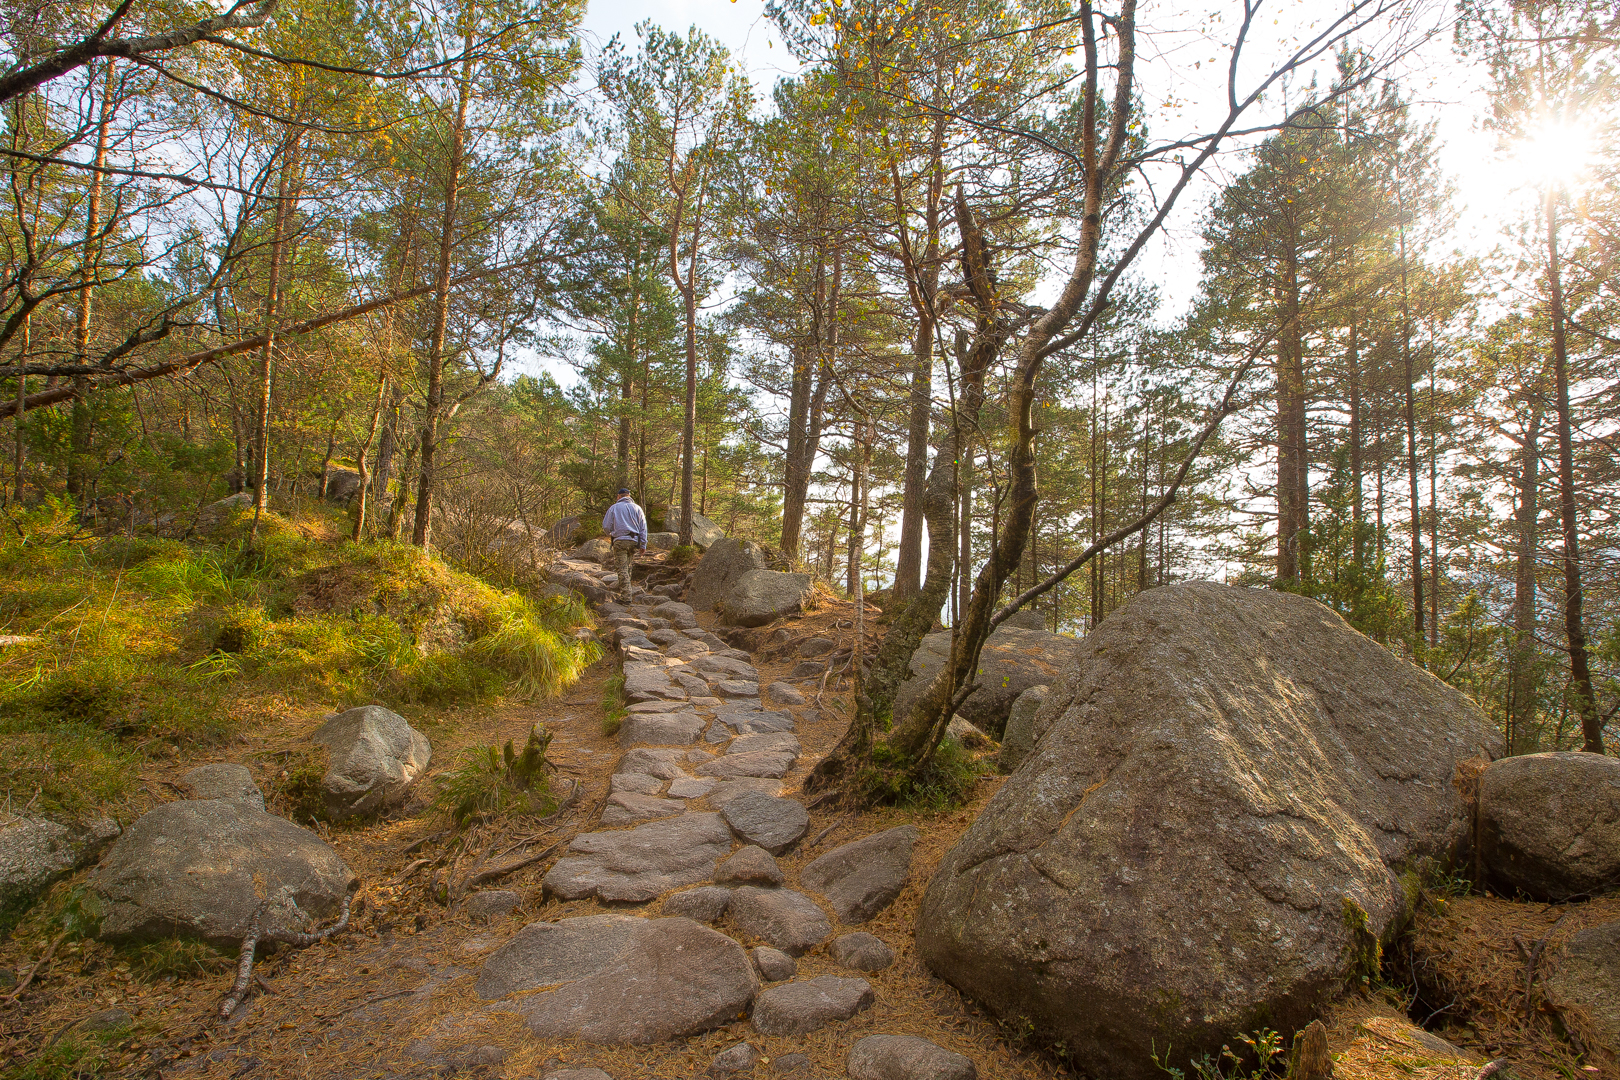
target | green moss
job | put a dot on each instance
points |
(1364, 955)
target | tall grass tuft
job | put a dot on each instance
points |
(492, 781)
(528, 645)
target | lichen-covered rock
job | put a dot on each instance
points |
(722, 564)
(1549, 824)
(1019, 737)
(1586, 975)
(35, 852)
(374, 756)
(1236, 798)
(1013, 660)
(763, 596)
(199, 869)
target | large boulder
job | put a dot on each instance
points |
(763, 596)
(36, 851)
(374, 756)
(618, 980)
(724, 562)
(1234, 804)
(598, 550)
(200, 869)
(705, 533)
(1013, 660)
(1019, 737)
(1549, 824)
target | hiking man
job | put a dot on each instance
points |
(627, 525)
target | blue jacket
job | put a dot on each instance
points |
(624, 518)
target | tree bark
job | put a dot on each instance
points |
(1411, 453)
(421, 531)
(81, 423)
(364, 490)
(1521, 705)
(1293, 495)
(1574, 628)
(272, 309)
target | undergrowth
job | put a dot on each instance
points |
(135, 648)
(944, 783)
(1264, 1058)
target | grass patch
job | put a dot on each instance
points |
(681, 555)
(614, 709)
(491, 782)
(138, 648)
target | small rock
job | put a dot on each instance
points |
(662, 541)
(966, 734)
(789, 920)
(816, 646)
(791, 1063)
(224, 781)
(578, 1074)
(758, 597)
(734, 689)
(906, 1057)
(703, 904)
(774, 964)
(734, 1059)
(490, 904)
(781, 741)
(862, 878)
(749, 866)
(774, 824)
(375, 757)
(105, 1020)
(807, 669)
(861, 951)
(35, 852)
(798, 1008)
(780, 693)
(688, 787)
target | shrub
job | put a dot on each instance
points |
(682, 555)
(490, 782)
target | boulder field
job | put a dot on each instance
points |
(1232, 802)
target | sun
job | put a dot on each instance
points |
(1555, 153)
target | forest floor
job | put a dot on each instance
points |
(392, 996)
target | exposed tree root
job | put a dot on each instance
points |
(256, 933)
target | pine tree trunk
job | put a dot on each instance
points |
(1521, 708)
(421, 531)
(1574, 629)
(81, 425)
(1411, 456)
(1292, 463)
(272, 309)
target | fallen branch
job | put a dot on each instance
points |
(256, 933)
(824, 833)
(41, 962)
(506, 868)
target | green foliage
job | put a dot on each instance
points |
(1263, 1059)
(296, 789)
(136, 647)
(682, 555)
(491, 782)
(176, 958)
(944, 782)
(1366, 951)
(613, 705)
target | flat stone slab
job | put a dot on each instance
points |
(662, 763)
(733, 786)
(704, 904)
(788, 920)
(906, 1057)
(774, 824)
(759, 763)
(661, 729)
(862, 878)
(639, 783)
(735, 690)
(783, 741)
(627, 808)
(691, 787)
(621, 981)
(798, 1008)
(746, 719)
(781, 693)
(224, 780)
(658, 707)
(639, 864)
(726, 667)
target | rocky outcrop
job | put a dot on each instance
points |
(1019, 737)
(374, 756)
(35, 852)
(617, 980)
(762, 596)
(705, 533)
(720, 568)
(1549, 824)
(1013, 660)
(1234, 801)
(199, 869)
(862, 878)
